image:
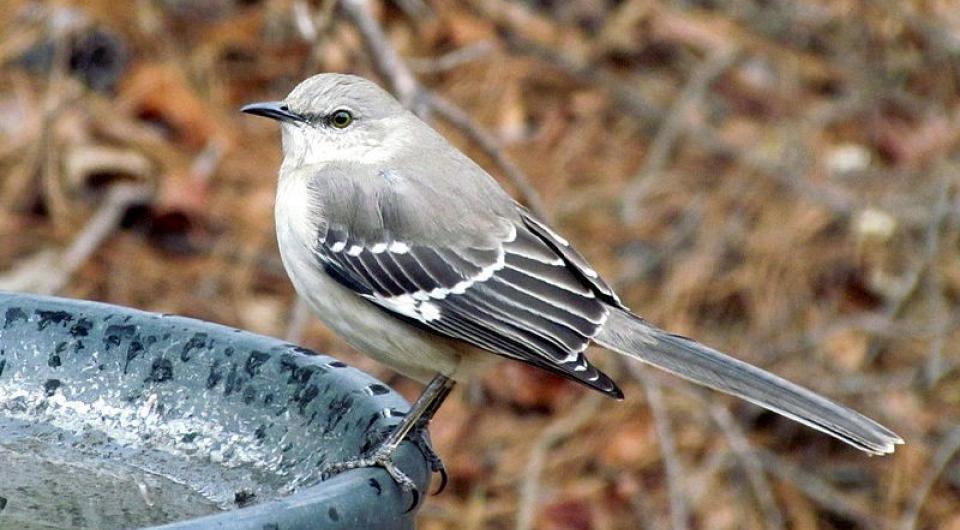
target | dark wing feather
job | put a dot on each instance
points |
(574, 260)
(518, 298)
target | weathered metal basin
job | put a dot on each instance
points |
(117, 418)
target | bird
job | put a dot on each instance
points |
(416, 256)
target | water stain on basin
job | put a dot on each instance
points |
(49, 481)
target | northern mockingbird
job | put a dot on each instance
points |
(412, 253)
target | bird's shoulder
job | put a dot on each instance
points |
(404, 201)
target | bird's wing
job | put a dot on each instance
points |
(575, 262)
(517, 296)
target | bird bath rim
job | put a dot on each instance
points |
(107, 377)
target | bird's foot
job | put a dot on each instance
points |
(421, 438)
(383, 456)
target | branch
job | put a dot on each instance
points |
(747, 456)
(944, 454)
(585, 411)
(421, 101)
(385, 56)
(938, 216)
(671, 129)
(679, 513)
(451, 60)
(650, 116)
(934, 366)
(50, 273)
(818, 490)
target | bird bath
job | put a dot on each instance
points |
(117, 418)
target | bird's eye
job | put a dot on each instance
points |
(341, 119)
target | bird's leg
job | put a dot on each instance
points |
(422, 440)
(414, 421)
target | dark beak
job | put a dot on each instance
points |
(275, 110)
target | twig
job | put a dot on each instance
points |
(119, 199)
(57, 268)
(55, 198)
(415, 9)
(679, 513)
(931, 249)
(748, 459)
(206, 163)
(313, 28)
(785, 172)
(385, 56)
(705, 137)
(626, 97)
(561, 428)
(303, 21)
(451, 60)
(702, 479)
(867, 384)
(941, 457)
(817, 489)
(933, 368)
(644, 512)
(414, 96)
(672, 128)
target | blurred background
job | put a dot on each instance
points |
(776, 179)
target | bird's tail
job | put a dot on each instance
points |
(630, 335)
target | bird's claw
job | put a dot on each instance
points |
(380, 457)
(421, 439)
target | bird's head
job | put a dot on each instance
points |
(336, 118)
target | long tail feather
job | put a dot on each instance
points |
(630, 335)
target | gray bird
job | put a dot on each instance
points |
(414, 254)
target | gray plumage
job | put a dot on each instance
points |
(417, 257)
(632, 336)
